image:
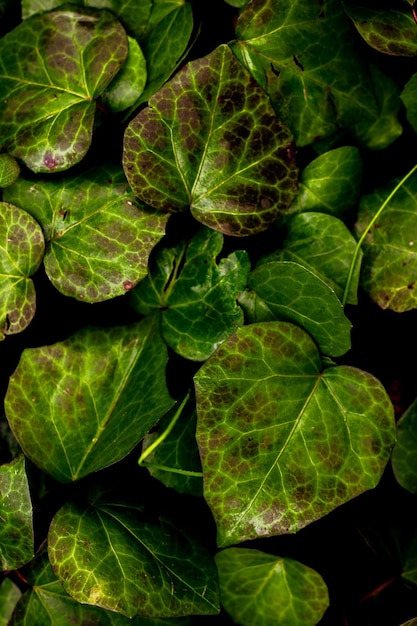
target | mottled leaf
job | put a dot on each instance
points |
(21, 251)
(283, 443)
(210, 141)
(389, 266)
(323, 244)
(9, 170)
(405, 450)
(9, 595)
(52, 67)
(126, 88)
(266, 590)
(296, 294)
(388, 30)
(84, 403)
(195, 294)
(108, 556)
(304, 55)
(16, 531)
(99, 235)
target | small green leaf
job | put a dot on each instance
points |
(295, 294)
(409, 98)
(21, 251)
(405, 450)
(126, 88)
(9, 596)
(9, 170)
(195, 294)
(92, 398)
(266, 590)
(16, 531)
(107, 556)
(283, 443)
(210, 141)
(52, 68)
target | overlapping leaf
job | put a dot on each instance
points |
(52, 68)
(9, 170)
(195, 294)
(210, 141)
(283, 443)
(16, 531)
(21, 251)
(304, 55)
(409, 98)
(128, 85)
(9, 596)
(108, 556)
(405, 450)
(99, 235)
(263, 589)
(92, 398)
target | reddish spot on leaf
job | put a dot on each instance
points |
(128, 285)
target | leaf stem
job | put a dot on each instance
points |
(368, 228)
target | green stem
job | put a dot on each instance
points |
(368, 228)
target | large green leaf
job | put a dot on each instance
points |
(304, 55)
(108, 556)
(405, 450)
(282, 442)
(16, 531)
(84, 403)
(21, 251)
(195, 294)
(52, 68)
(389, 266)
(99, 235)
(266, 590)
(210, 141)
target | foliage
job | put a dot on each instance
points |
(200, 232)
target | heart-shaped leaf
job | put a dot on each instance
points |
(283, 443)
(52, 68)
(108, 556)
(92, 398)
(99, 235)
(21, 251)
(260, 588)
(210, 141)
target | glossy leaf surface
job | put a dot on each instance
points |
(295, 294)
(107, 556)
(210, 141)
(16, 531)
(405, 450)
(282, 442)
(52, 67)
(128, 85)
(21, 251)
(99, 235)
(195, 294)
(92, 397)
(263, 589)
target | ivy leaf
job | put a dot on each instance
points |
(405, 450)
(210, 141)
(107, 556)
(21, 251)
(16, 531)
(295, 294)
(303, 54)
(92, 397)
(260, 588)
(389, 266)
(283, 443)
(408, 97)
(52, 68)
(196, 296)
(99, 236)
(9, 170)
(388, 30)
(9, 595)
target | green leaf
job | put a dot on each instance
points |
(108, 556)
(99, 236)
(295, 294)
(405, 450)
(303, 54)
(331, 183)
(52, 68)
(210, 141)
(263, 589)
(21, 251)
(409, 98)
(283, 443)
(409, 572)
(388, 30)
(322, 244)
(9, 170)
(195, 294)
(389, 263)
(92, 398)
(16, 531)
(9, 595)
